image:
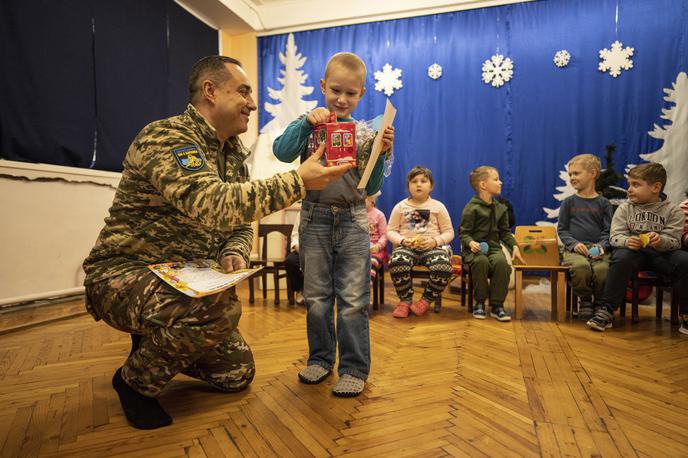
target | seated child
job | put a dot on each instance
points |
(646, 234)
(378, 234)
(583, 228)
(484, 226)
(419, 227)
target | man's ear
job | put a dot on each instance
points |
(208, 90)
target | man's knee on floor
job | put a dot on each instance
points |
(236, 379)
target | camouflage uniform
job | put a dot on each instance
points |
(182, 196)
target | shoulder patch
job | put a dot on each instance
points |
(189, 158)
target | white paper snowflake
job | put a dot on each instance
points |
(497, 70)
(562, 58)
(435, 71)
(616, 59)
(388, 80)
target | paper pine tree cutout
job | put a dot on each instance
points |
(563, 192)
(290, 106)
(673, 154)
(497, 70)
(388, 80)
(293, 90)
(616, 59)
(608, 182)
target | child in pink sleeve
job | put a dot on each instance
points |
(378, 234)
(419, 228)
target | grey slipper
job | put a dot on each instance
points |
(313, 374)
(348, 386)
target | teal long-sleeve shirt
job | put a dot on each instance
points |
(344, 191)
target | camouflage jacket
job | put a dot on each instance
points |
(183, 196)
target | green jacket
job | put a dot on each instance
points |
(183, 196)
(483, 222)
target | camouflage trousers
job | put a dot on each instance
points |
(195, 336)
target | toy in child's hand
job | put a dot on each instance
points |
(644, 239)
(416, 241)
(594, 251)
(339, 139)
(484, 247)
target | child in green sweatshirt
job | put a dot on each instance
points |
(484, 227)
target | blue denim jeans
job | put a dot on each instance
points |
(334, 244)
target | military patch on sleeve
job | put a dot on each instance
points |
(189, 158)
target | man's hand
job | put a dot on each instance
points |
(655, 239)
(581, 249)
(388, 138)
(634, 243)
(318, 116)
(315, 176)
(474, 246)
(516, 255)
(232, 262)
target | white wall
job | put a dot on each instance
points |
(50, 218)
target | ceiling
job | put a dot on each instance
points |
(279, 16)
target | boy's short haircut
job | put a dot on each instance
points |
(348, 60)
(420, 170)
(590, 162)
(651, 173)
(479, 174)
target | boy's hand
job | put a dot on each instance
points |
(634, 243)
(601, 255)
(581, 249)
(374, 249)
(315, 176)
(655, 239)
(516, 255)
(474, 246)
(388, 139)
(232, 262)
(318, 116)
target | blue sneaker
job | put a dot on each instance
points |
(601, 320)
(479, 311)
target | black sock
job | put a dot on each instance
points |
(143, 412)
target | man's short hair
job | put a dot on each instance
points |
(348, 60)
(479, 174)
(651, 173)
(590, 162)
(209, 68)
(420, 170)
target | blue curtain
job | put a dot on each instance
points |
(529, 127)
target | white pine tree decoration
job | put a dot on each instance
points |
(289, 107)
(564, 192)
(673, 154)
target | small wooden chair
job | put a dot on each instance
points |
(275, 265)
(379, 287)
(660, 283)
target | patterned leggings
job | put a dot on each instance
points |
(403, 260)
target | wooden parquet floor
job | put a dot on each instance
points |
(441, 385)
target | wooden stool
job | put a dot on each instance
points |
(558, 292)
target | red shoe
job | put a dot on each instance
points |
(420, 307)
(402, 310)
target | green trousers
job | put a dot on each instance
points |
(588, 276)
(494, 267)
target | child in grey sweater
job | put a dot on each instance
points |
(646, 234)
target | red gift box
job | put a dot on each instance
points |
(339, 138)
